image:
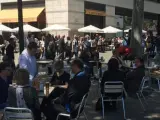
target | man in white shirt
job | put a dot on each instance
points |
(27, 60)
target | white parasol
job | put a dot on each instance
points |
(4, 28)
(111, 29)
(27, 28)
(56, 27)
(90, 29)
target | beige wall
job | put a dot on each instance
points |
(69, 13)
(57, 13)
(110, 18)
(75, 15)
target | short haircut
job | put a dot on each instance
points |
(78, 63)
(59, 65)
(140, 59)
(21, 77)
(113, 64)
(32, 45)
(3, 66)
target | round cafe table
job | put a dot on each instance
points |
(44, 61)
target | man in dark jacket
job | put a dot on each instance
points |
(69, 101)
(135, 77)
(61, 47)
(4, 83)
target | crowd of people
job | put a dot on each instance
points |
(70, 90)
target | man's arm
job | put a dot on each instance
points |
(23, 62)
(64, 86)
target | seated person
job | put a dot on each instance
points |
(5, 71)
(112, 74)
(60, 77)
(69, 101)
(21, 95)
(135, 77)
(11, 64)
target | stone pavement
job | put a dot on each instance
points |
(133, 108)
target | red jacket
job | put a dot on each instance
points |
(124, 50)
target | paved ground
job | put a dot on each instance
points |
(133, 108)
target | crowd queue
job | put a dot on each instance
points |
(69, 91)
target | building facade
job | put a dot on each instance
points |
(78, 13)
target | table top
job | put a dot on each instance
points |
(44, 61)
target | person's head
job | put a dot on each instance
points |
(5, 69)
(115, 52)
(77, 66)
(32, 48)
(58, 36)
(32, 36)
(75, 37)
(139, 62)
(113, 64)
(87, 37)
(68, 38)
(21, 77)
(59, 66)
(11, 41)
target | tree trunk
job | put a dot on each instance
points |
(137, 23)
(20, 24)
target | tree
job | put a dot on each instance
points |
(137, 24)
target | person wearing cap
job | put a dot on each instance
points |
(27, 60)
(4, 83)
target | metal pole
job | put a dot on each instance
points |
(20, 24)
(123, 25)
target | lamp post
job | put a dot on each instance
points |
(20, 24)
(137, 24)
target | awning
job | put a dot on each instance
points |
(29, 15)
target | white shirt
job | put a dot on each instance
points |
(28, 62)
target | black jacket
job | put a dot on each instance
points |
(113, 75)
(134, 79)
(77, 88)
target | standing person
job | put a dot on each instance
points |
(10, 50)
(4, 84)
(51, 49)
(62, 47)
(57, 44)
(86, 43)
(2, 43)
(75, 46)
(27, 60)
(69, 48)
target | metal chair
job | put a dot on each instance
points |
(116, 89)
(144, 85)
(80, 110)
(17, 114)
